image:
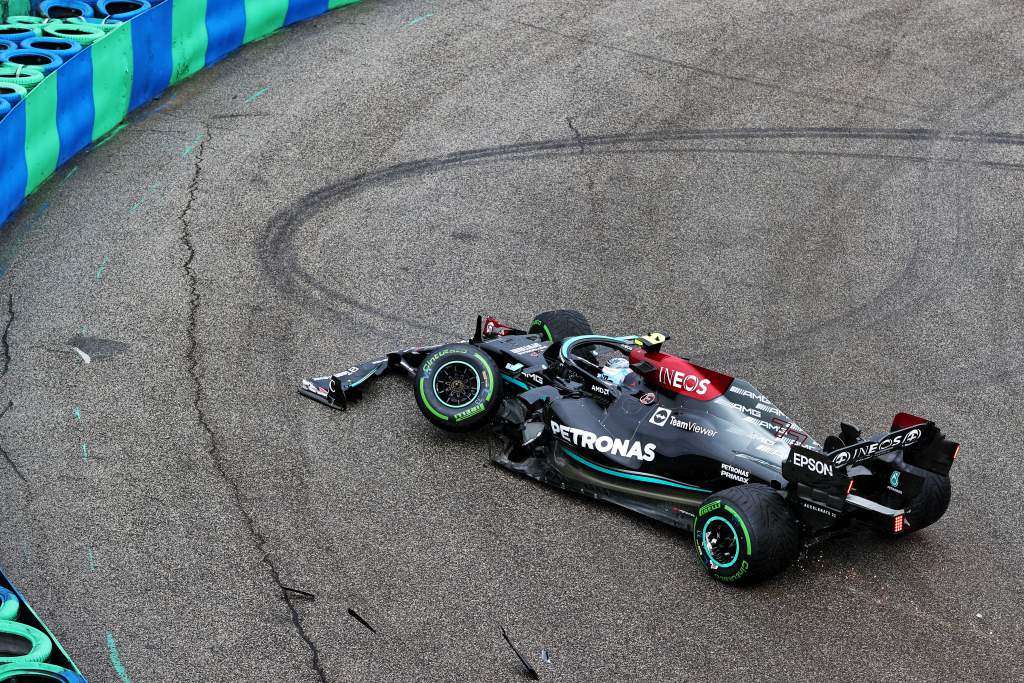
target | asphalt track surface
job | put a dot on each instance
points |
(824, 200)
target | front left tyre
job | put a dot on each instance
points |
(745, 534)
(458, 388)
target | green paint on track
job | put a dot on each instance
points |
(188, 39)
(252, 98)
(109, 136)
(112, 77)
(115, 659)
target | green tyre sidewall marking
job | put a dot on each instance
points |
(741, 563)
(470, 414)
(423, 395)
(41, 647)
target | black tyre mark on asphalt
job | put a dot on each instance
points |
(279, 250)
(5, 342)
(747, 80)
(7, 456)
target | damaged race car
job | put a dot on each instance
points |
(617, 419)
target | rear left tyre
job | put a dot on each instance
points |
(554, 326)
(745, 534)
(458, 388)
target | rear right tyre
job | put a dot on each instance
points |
(929, 504)
(745, 534)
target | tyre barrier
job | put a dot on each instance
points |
(43, 60)
(121, 67)
(28, 649)
(25, 76)
(20, 643)
(80, 32)
(122, 10)
(6, 45)
(62, 47)
(12, 93)
(65, 9)
(105, 24)
(25, 20)
(19, 32)
(5, 107)
(15, 673)
(9, 605)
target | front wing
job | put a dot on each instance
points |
(342, 388)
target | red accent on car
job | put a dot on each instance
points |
(680, 376)
(956, 452)
(904, 420)
(494, 328)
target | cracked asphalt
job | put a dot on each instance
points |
(822, 199)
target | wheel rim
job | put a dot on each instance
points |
(456, 384)
(721, 542)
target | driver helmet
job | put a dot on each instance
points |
(615, 370)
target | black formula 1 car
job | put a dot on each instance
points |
(617, 419)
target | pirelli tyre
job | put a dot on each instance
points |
(929, 504)
(559, 325)
(745, 534)
(26, 673)
(458, 387)
(23, 644)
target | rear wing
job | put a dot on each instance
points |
(922, 443)
(821, 481)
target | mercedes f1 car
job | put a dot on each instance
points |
(617, 419)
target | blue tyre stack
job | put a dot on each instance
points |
(65, 49)
(44, 60)
(121, 10)
(15, 33)
(65, 9)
